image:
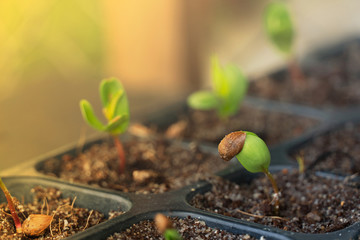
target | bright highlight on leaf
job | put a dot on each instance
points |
(229, 89)
(279, 26)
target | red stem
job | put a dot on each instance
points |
(121, 152)
(296, 74)
(11, 207)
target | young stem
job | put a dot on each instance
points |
(121, 152)
(296, 74)
(276, 190)
(11, 207)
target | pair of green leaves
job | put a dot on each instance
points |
(279, 26)
(229, 89)
(115, 108)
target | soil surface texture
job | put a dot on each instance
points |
(272, 127)
(337, 151)
(333, 81)
(188, 228)
(308, 203)
(154, 165)
(67, 218)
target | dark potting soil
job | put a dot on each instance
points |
(153, 166)
(272, 127)
(189, 228)
(308, 203)
(67, 219)
(337, 151)
(334, 81)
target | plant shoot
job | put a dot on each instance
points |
(252, 152)
(164, 225)
(228, 91)
(34, 225)
(280, 30)
(115, 109)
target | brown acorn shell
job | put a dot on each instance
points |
(36, 224)
(231, 145)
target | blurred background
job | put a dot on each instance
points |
(55, 52)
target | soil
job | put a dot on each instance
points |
(67, 219)
(272, 127)
(337, 151)
(188, 228)
(154, 165)
(333, 81)
(308, 203)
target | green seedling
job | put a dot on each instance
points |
(229, 89)
(115, 109)
(252, 153)
(164, 226)
(34, 225)
(280, 30)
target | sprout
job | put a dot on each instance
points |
(165, 226)
(116, 110)
(229, 89)
(279, 27)
(252, 153)
(280, 30)
(34, 225)
(11, 206)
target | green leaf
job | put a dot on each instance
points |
(279, 27)
(255, 155)
(113, 98)
(118, 125)
(110, 110)
(172, 234)
(89, 115)
(238, 85)
(203, 100)
(108, 90)
(220, 84)
(230, 85)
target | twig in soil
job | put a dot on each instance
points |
(5, 213)
(73, 202)
(87, 221)
(262, 216)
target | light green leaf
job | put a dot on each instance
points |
(89, 115)
(109, 88)
(110, 110)
(172, 234)
(279, 26)
(220, 83)
(203, 100)
(118, 125)
(255, 155)
(113, 98)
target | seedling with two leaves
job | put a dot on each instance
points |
(281, 32)
(115, 109)
(252, 153)
(229, 89)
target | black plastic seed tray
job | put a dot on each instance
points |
(138, 207)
